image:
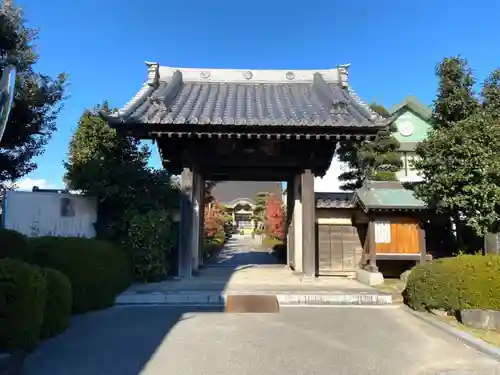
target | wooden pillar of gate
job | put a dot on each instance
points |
(185, 264)
(308, 225)
(290, 202)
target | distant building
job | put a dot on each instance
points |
(240, 198)
(412, 123)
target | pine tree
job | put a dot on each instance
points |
(37, 101)
(377, 160)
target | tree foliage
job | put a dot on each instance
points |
(455, 100)
(114, 169)
(460, 159)
(275, 218)
(259, 211)
(377, 160)
(214, 219)
(37, 101)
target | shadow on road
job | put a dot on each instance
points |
(123, 339)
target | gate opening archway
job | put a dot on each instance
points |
(258, 125)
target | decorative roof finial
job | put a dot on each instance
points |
(344, 74)
(153, 73)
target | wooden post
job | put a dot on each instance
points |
(185, 256)
(372, 249)
(308, 225)
(201, 222)
(290, 203)
(196, 219)
(297, 226)
(422, 244)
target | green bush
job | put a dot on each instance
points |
(454, 284)
(97, 270)
(58, 307)
(150, 239)
(23, 294)
(13, 244)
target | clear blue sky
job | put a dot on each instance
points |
(393, 45)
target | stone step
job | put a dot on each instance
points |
(284, 299)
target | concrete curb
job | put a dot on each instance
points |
(467, 338)
(219, 299)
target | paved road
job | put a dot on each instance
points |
(331, 341)
(241, 251)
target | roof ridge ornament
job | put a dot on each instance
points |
(344, 74)
(153, 73)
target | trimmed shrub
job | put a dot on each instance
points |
(23, 294)
(13, 244)
(58, 307)
(150, 239)
(97, 270)
(454, 284)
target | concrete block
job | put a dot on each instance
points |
(482, 319)
(369, 278)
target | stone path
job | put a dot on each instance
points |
(159, 340)
(239, 270)
(240, 251)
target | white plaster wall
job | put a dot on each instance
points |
(39, 214)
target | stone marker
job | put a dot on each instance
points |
(482, 319)
(252, 304)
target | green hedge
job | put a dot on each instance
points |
(13, 244)
(97, 270)
(454, 284)
(23, 294)
(58, 307)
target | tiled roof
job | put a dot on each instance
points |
(334, 200)
(238, 97)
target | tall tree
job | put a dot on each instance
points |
(460, 159)
(377, 160)
(37, 102)
(114, 169)
(455, 100)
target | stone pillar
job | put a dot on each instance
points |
(372, 250)
(422, 244)
(290, 201)
(308, 225)
(297, 226)
(186, 224)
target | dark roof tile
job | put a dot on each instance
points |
(232, 97)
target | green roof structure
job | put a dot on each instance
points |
(387, 195)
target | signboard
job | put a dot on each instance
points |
(382, 232)
(7, 85)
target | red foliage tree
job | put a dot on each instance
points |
(275, 218)
(214, 219)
